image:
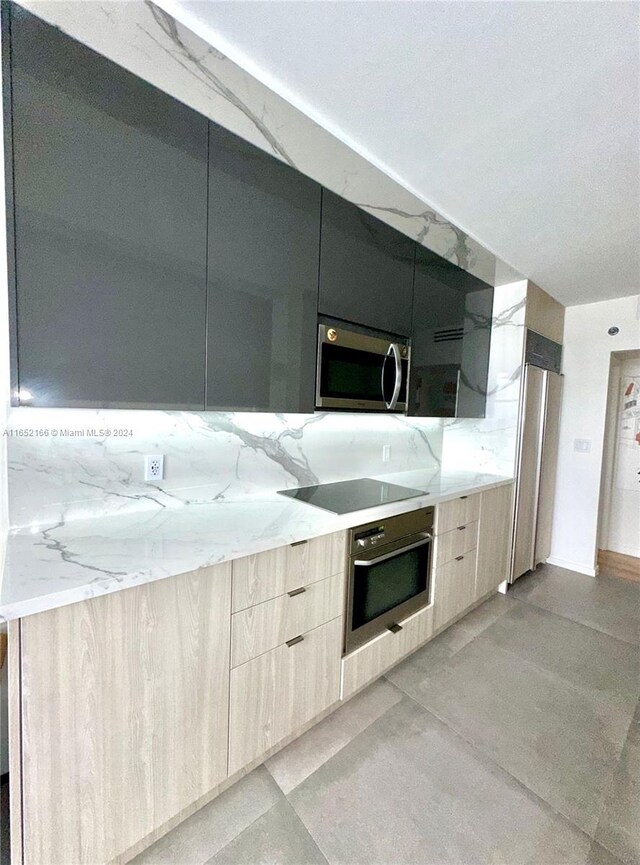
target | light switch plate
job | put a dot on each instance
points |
(582, 446)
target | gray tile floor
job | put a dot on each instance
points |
(513, 737)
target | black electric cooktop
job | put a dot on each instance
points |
(346, 496)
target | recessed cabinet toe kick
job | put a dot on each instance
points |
(130, 711)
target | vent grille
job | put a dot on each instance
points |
(448, 334)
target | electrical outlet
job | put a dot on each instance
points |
(386, 453)
(154, 467)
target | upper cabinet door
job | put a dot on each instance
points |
(450, 340)
(264, 243)
(110, 230)
(366, 268)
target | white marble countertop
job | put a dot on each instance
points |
(51, 566)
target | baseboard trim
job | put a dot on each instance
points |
(572, 566)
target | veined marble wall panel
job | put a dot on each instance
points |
(489, 444)
(66, 464)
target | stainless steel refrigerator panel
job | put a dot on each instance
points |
(548, 469)
(529, 453)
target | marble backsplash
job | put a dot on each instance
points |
(62, 465)
(489, 444)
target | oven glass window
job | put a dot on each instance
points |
(379, 588)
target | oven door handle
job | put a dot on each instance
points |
(394, 349)
(426, 539)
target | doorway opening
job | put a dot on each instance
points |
(619, 517)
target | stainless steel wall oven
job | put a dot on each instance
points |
(389, 574)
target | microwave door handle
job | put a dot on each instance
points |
(395, 348)
(366, 562)
(384, 366)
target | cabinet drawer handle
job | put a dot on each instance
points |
(464, 497)
(298, 543)
(459, 558)
(295, 592)
(295, 640)
(394, 628)
(461, 528)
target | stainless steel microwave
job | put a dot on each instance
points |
(357, 371)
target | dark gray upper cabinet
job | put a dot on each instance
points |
(110, 199)
(264, 244)
(157, 260)
(366, 268)
(450, 340)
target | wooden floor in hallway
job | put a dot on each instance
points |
(619, 566)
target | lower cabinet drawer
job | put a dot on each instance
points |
(457, 512)
(374, 658)
(261, 628)
(461, 540)
(275, 694)
(453, 588)
(273, 573)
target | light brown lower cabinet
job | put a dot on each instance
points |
(371, 660)
(472, 573)
(123, 715)
(128, 709)
(494, 538)
(259, 629)
(457, 512)
(461, 540)
(278, 692)
(267, 575)
(454, 588)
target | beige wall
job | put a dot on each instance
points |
(586, 361)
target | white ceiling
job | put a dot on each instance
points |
(518, 120)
